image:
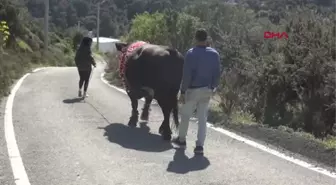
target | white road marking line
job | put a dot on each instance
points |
(38, 69)
(18, 169)
(252, 143)
(274, 152)
(19, 172)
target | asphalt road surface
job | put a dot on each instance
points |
(64, 141)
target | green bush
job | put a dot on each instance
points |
(149, 27)
(77, 38)
(112, 70)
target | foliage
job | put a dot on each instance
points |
(149, 27)
(112, 72)
(76, 40)
(185, 24)
(4, 32)
(24, 46)
(21, 43)
(168, 28)
(278, 82)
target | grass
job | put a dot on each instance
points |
(329, 143)
(97, 52)
(112, 78)
(99, 55)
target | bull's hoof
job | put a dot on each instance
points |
(133, 122)
(167, 137)
(161, 130)
(144, 115)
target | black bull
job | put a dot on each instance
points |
(154, 71)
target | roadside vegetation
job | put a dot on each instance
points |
(21, 44)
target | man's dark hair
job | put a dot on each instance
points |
(201, 35)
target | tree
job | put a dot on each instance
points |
(149, 27)
(77, 38)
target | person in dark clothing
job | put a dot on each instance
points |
(84, 62)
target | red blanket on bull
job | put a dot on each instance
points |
(123, 57)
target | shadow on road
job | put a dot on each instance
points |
(136, 138)
(181, 164)
(73, 100)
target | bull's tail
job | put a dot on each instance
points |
(175, 113)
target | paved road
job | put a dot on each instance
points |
(65, 142)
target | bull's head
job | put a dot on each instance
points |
(121, 46)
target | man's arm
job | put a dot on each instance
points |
(187, 73)
(216, 73)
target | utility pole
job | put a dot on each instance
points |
(98, 20)
(78, 26)
(46, 25)
(98, 24)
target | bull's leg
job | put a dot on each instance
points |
(145, 110)
(149, 95)
(135, 114)
(166, 107)
(175, 112)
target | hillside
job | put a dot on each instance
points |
(116, 15)
(22, 44)
(281, 86)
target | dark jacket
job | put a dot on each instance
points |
(84, 59)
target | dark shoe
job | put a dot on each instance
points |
(198, 150)
(181, 144)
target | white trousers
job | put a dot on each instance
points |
(195, 99)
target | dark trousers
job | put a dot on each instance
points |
(84, 77)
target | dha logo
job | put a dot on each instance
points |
(278, 35)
